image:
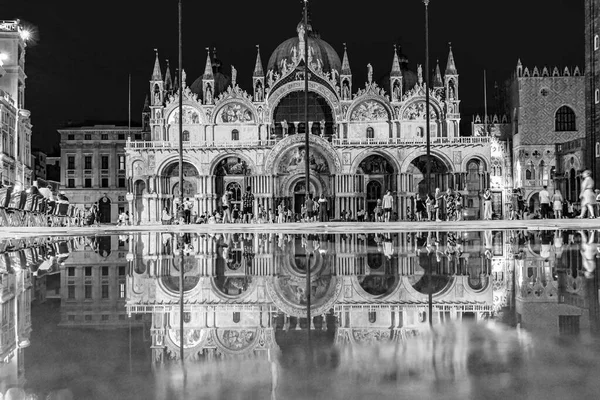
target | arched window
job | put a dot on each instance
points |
(552, 173)
(186, 136)
(236, 317)
(420, 132)
(528, 175)
(565, 119)
(543, 171)
(596, 42)
(370, 133)
(235, 134)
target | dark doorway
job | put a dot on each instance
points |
(104, 208)
(373, 194)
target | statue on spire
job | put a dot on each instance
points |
(369, 73)
(233, 75)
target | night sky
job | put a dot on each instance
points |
(78, 65)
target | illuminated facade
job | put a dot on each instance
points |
(92, 167)
(15, 123)
(539, 141)
(363, 141)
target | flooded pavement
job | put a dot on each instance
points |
(422, 314)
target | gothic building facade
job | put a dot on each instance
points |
(538, 138)
(363, 142)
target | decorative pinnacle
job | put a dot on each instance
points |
(156, 51)
(426, 2)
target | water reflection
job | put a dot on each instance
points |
(246, 298)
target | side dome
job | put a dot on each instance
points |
(322, 51)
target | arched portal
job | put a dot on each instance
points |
(374, 193)
(418, 170)
(230, 173)
(300, 194)
(104, 206)
(291, 110)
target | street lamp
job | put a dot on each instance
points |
(428, 138)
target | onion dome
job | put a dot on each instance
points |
(322, 51)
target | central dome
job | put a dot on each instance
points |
(322, 51)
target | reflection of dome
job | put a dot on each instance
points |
(322, 50)
(172, 283)
(378, 285)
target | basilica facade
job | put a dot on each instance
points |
(363, 141)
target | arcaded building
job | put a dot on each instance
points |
(364, 140)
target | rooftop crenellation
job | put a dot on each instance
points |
(546, 72)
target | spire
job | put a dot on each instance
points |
(208, 72)
(396, 65)
(146, 104)
(345, 63)
(258, 69)
(168, 79)
(156, 74)
(451, 66)
(437, 78)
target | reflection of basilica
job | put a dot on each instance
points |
(245, 292)
(362, 143)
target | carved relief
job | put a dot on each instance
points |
(294, 160)
(346, 158)
(369, 111)
(190, 116)
(236, 113)
(236, 339)
(416, 111)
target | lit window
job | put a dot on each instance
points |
(597, 96)
(121, 162)
(597, 149)
(235, 134)
(596, 42)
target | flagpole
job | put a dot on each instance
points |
(129, 112)
(485, 121)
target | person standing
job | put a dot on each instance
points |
(557, 204)
(420, 206)
(438, 204)
(450, 201)
(323, 208)
(309, 204)
(545, 202)
(187, 209)
(587, 195)
(226, 205)
(248, 205)
(487, 205)
(459, 205)
(388, 204)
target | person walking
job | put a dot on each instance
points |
(557, 204)
(487, 205)
(323, 209)
(587, 195)
(248, 205)
(420, 206)
(545, 202)
(388, 204)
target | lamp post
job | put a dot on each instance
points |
(307, 159)
(428, 139)
(306, 131)
(180, 212)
